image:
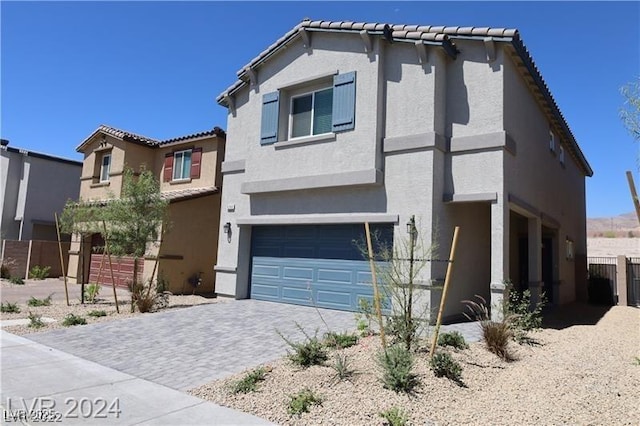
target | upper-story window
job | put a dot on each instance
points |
(561, 155)
(311, 113)
(327, 109)
(182, 165)
(105, 167)
(552, 141)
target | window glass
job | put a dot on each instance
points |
(301, 116)
(322, 109)
(105, 168)
(182, 165)
(311, 113)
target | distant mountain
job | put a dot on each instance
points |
(614, 226)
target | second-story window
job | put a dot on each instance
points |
(182, 165)
(105, 167)
(311, 113)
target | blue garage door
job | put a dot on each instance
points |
(319, 265)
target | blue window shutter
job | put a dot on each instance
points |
(344, 102)
(269, 126)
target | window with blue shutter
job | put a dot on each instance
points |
(344, 102)
(269, 126)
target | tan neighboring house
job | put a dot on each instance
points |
(340, 123)
(188, 168)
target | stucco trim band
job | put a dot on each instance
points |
(470, 198)
(420, 141)
(318, 219)
(522, 207)
(226, 269)
(487, 141)
(360, 177)
(233, 166)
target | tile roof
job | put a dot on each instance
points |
(184, 194)
(440, 35)
(144, 140)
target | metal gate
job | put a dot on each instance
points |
(633, 281)
(602, 280)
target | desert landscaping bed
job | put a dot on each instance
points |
(58, 308)
(581, 374)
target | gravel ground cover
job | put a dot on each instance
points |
(580, 375)
(58, 309)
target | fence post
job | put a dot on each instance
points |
(26, 273)
(621, 280)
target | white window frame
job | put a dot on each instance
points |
(313, 111)
(175, 160)
(102, 167)
(552, 141)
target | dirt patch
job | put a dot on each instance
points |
(58, 310)
(581, 374)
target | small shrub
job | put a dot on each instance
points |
(342, 367)
(16, 281)
(340, 340)
(39, 302)
(523, 318)
(39, 272)
(91, 292)
(249, 382)
(397, 366)
(9, 308)
(394, 417)
(302, 401)
(72, 319)
(97, 314)
(496, 334)
(307, 353)
(35, 321)
(364, 316)
(636, 360)
(454, 339)
(149, 296)
(402, 329)
(443, 365)
(5, 268)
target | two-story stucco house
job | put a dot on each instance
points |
(33, 187)
(188, 168)
(340, 123)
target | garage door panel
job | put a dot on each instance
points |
(335, 276)
(297, 273)
(316, 265)
(335, 300)
(299, 296)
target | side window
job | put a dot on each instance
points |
(552, 141)
(320, 111)
(105, 167)
(561, 155)
(311, 113)
(182, 165)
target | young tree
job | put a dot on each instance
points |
(630, 112)
(135, 220)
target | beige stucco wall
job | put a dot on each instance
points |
(192, 238)
(212, 156)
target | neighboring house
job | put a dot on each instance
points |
(341, 123)
(188, 168)
(34, 186)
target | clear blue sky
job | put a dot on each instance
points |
(155, 68)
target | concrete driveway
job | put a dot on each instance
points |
(189, 347)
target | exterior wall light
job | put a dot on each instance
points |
(227, 230)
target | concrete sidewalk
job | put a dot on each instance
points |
(77, 391)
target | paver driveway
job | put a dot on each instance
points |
(189, 347)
